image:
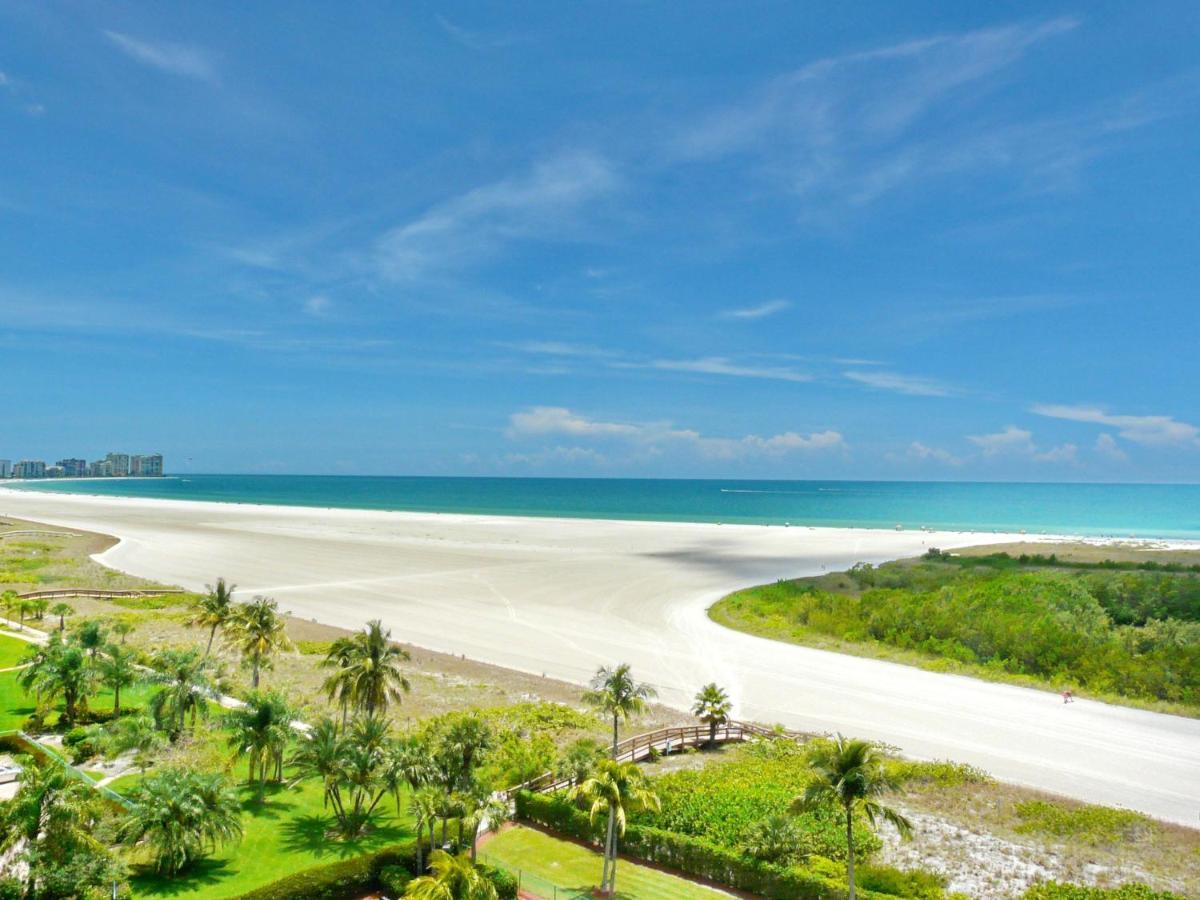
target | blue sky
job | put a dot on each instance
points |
(782, 240)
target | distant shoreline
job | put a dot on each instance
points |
(1144, 513)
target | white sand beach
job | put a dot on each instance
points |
(561, 597)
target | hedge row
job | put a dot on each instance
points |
(1053, 890)
(339, 880)
(389, 869)
(690, 855)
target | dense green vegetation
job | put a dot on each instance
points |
(724, 802)
(1114, 630)
(541, 858)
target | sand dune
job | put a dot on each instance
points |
(563, 596)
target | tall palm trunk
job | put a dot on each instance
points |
(608, 877)
(116, 700)
(614, 735)
(850, 850)
(212, 633)
(254, 673)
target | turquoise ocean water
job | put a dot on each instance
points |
(1141, 510)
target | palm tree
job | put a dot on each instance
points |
(615, 693)
(483, 809)
(214, 610)
(319, 755)
(24, 608)
(184, 674)
(59, 669)
(11, 603)
(260, 731)
(614, 789)
(117, 669)
(38, 607)
(258, 631)
(579, 759)
(775, 840)
(89, 634)
(138, 733)
(851, 773)
(424, 806)
(712, 706)
(182, 815)
(123, 629)
(451, 878)
(62, 610)
(368, 670)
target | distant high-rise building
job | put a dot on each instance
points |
(150, 466)
(120, 463)
(101, 468)
(73, 468)
(29, 468)
(5, 468)
(55, 472)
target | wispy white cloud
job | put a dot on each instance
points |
(914, 385)
(477, 40)
(543, 204)
(317, 305)
(719, 365)
(557, 456)
(1152, 431)
(543, 421)
(1014, 441)
(1107, 447)
(843, 132)
(922, 452)
(761, 311)
(558, 348)
(177, 59)
(19, 95)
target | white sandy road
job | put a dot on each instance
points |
(564, 596)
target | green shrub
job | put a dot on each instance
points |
(916, 883)
(11, 889)
(1053, 890)
(1093, 824)
(313, 648)
(504, 882)
(690, 855)
(725, 801)
(394, 879)
(339, 880)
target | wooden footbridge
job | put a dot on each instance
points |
(665, 741)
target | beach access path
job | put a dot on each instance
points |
(563, 596)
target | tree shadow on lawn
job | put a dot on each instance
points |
(316, 836)
(147, 883)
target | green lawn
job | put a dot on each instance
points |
(12, 650)
(285, 835)
(540, 858)
(16, 706)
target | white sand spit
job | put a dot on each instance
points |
(564, 596)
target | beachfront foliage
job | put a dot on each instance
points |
(726, 801)
(368, 674)
(614, 693)
(851, 773)
(1113, 631)
(181, 816)
(256, 630)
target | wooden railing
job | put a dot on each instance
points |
(664, 741)
(97, 594)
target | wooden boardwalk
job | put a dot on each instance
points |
(97, 594)
(664, 741)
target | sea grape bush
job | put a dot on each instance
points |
(724, 801)
(1131, 633)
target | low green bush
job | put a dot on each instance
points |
(1093, 824)
(394, 880)
(1053, 890)
(692, 856)
(339, 880)
(915, 883)
(504, 882)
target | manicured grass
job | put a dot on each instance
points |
(284, 835)
(12, 651)
(16, 706)
(576, 868)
